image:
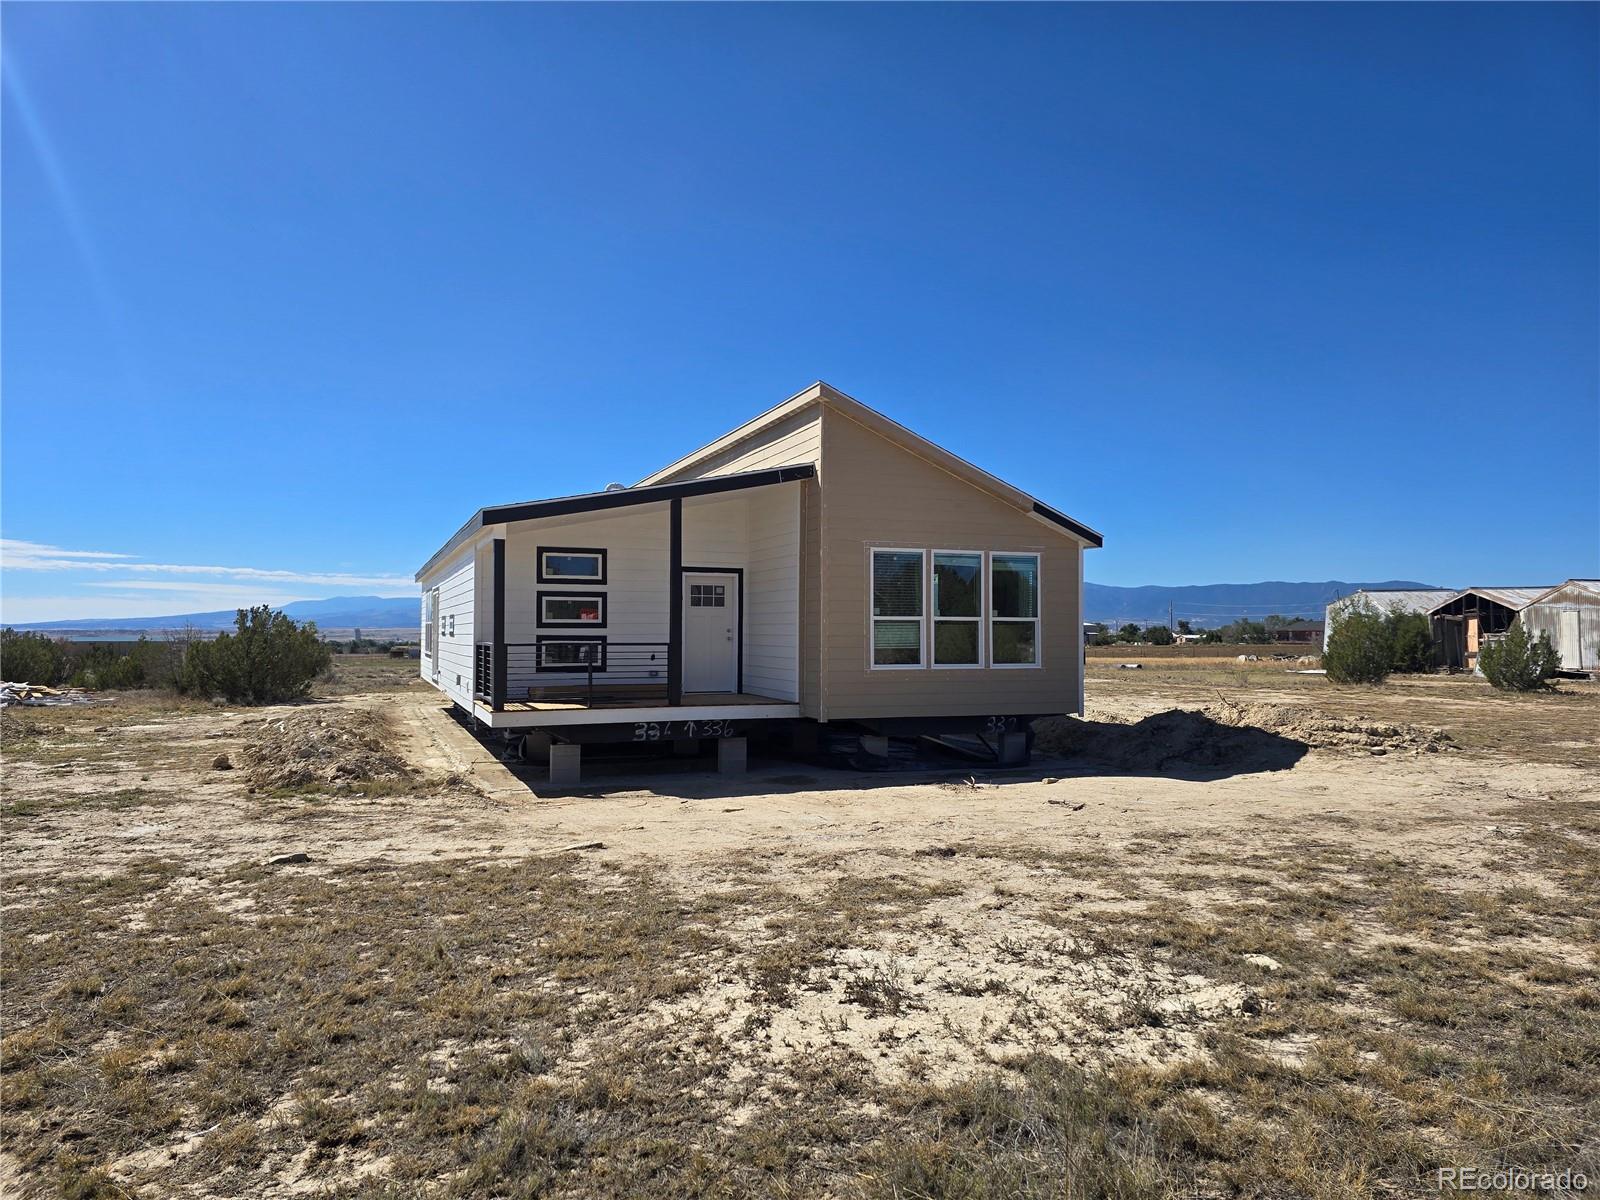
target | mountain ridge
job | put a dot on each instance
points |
(1201, 604)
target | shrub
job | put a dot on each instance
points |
(32, 658)
(268, 659)
(1518, 663)
(1410, 642)
(1159, 635)
(1360, 646)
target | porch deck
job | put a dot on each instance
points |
(630, 698)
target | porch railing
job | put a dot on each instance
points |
(573, 672)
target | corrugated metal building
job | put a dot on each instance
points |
(1570, 614)
(1385, 602)
(1463, 622)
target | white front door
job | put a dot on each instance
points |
(710, 632)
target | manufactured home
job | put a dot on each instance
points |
(820, 569)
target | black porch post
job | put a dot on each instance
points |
(498, 699)
(675, 601)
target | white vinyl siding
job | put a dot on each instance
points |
(455, 628)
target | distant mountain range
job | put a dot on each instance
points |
(1210, 604)
(1200, 604)
(338, 612)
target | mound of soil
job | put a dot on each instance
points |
(321, 748)
(1328, 732)
(1177, 737)
(1226, 735)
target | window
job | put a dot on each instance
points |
(708, 595)
(571, 653)
(571, 564)
(572, 608)
(451, 631)
(430, 628)
(957, 608)
(897, 608)
(1014, 610)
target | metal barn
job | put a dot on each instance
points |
(1570, 614)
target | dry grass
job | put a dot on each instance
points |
(978, 1018)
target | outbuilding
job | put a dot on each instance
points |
(1473, 615)
(819, 567)
(1570, 614)
(1384, 601)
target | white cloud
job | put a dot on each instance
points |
(18, 555)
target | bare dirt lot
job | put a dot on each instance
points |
(1295, 940)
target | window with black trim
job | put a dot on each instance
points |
(571, 564)
(571, 653)
(572, 608)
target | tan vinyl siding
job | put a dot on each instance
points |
(878, 494)
(795, 439)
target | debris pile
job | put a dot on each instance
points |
(318, 748)
(1248, 737)
(34, 695)
(1328, 732)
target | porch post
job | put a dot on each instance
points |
(675, 601)
(498, 700)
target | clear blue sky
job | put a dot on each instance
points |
(1292, 292)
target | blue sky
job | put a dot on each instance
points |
(1293, 292)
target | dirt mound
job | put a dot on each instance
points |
(322, 748)
(1327, 732)
(1226, 735)
(1177, 737)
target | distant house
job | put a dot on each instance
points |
(1463, 621)
(1570, 614)
(1384, 601)
(1298, 633)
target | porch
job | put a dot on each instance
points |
(654, 606)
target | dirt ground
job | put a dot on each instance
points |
(1296, 939)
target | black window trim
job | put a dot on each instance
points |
(541, 551)
(540, 596)
(569, 668)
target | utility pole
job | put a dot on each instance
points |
(1170, 624)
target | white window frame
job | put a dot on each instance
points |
(873, 618)
(1038, 619)
(980, 620)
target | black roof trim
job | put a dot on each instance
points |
(1067, 523)
(564, 506)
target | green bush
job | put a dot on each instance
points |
(32, 658)
(1360, 646)
(1159, 635)
(1518, 663)
(1410, 642)
(268, 659)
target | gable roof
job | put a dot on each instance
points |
(820, 393)
(1584, 585)
(1515, 598)
(1393, 600)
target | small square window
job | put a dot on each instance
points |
(451, 632)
